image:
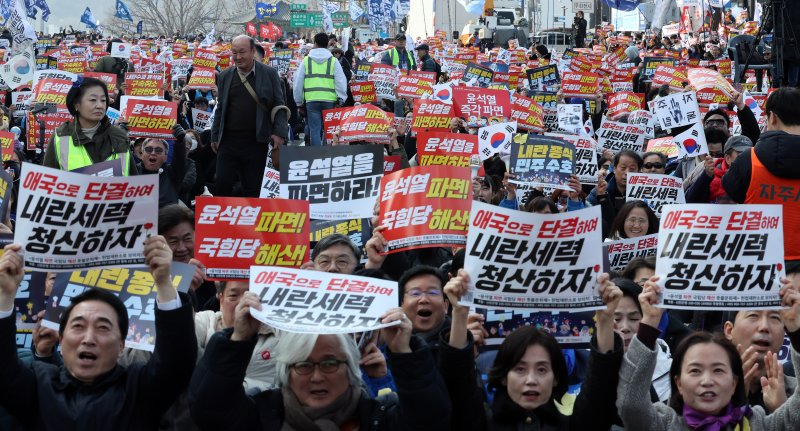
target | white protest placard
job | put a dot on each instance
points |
(307, 301)
(570, 117)
(385, 79)
(720, 257)
(121, 50)
(520, 260)
(68, 221)
(645, 119)
(20, 102)
(270, 184)
(495, 139)
(692, 142)
(112, 114)
(622, 251)
(676, 110)
(585, 156)
(200, 120)
(617, 136)
(655, 190)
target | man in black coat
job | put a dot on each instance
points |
(90, 391)
(244, 124)
(579, 29)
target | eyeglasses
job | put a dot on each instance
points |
(636, 220)
(416, 293)
(340, 263)
(157, 150)
(653, 165)
(327, 366)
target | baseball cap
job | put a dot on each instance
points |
(739, 143)
(400, 36)
(422, 46)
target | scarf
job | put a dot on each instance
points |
(704, 422)
(329, 418)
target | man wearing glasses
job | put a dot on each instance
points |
(170, 177)
(336, 253)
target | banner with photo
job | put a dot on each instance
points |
(544, 161)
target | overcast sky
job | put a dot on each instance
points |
(68, 12)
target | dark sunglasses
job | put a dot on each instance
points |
(157, 150)
(653, 165)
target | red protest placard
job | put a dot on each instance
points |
(429, 77)
(52, 90)
(363, 92)
(432, 115)
(331, 120)
(583, 84)
(425, 206)
(477, 103)
(233, 234)
(144, 84)
(6, 144)
(51, 123)
(149, 118)
(205, 58)
(620, 105)
(365, 123)
(391, 164)
(413, 87)
(711, 87)
(109, 78)
(72, 63)
(202, 78)
(445, 149)
(528, 114)
(674, 77)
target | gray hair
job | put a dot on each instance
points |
(293, 347)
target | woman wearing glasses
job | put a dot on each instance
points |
(320, 388)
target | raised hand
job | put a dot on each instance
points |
(245, 326)
(11, 273)
(158, 257)
(772, 386)
(398, 337)
(648, 299)
(373, 362)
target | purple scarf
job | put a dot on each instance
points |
(703, 422)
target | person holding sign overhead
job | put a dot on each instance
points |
(90, 137)
(320, 385)
(90, 391)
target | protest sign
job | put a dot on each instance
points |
(202, 78)
(616, 137)
(720, 257)
(571, 330)
(361, 71)
(479, 74)
(144, 84)
(692, 142)
(645, 119)
(296, 300)
(546, 77)
(340, 182)
(585, 156)
(664, 146)
(495, 139)
(20, 103)
(180, 68)
(655, 190)
(52, 90)
(28, 302)
(110, 79)
(332, 120)
(709, 81)
(135, 287)
(363, 92)
(542, 161)
(358, 230)
(581, 84)
(270, 184)
(518, 260)
(234, 234)
(676, 110)
(113, 115)
(365, 123)
(201, 120)
(570, 117)
(430, 115)
(149, 118)
(51, 122)
(674, 77)
(72, 63)
(651, 65)
(69, 221)
(407, 209)
(205, 58)
(621, 105)
(6, 188)
(482, 106)
(622, 251)
(446, 149)
(549, 103)
(385, 78)
(6, 145)
(391, 164)
(413, 87)
(528, 114)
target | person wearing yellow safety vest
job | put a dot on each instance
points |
(319, 84)
(403, 59)
(89, 137)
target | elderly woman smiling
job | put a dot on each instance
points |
(320, 384)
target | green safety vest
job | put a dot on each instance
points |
(319, 84)
(395, 58)
(71, 156)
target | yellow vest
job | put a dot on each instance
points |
(394, 56)
(71, 156)
(319, 84)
